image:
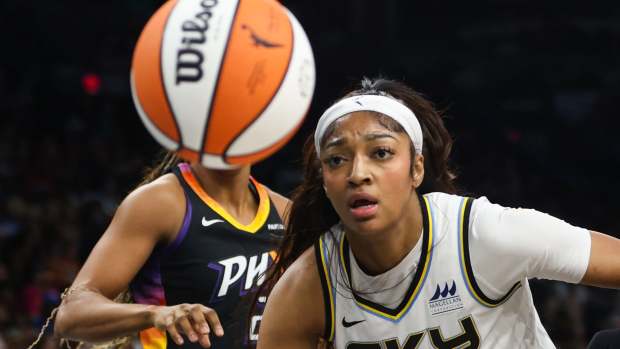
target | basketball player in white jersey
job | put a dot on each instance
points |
(379, 254)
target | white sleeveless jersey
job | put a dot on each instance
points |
(443, 306)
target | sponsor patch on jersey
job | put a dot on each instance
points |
(446, 299)
(275, 226)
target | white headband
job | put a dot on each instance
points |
(381, 104)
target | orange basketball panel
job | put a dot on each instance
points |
(188, 154)
(148, 79)
(254, 65)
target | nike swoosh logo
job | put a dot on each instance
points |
(206, 223)
(349, 324)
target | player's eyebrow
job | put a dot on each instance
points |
(378, 135)
(336, 142)
(368, 137)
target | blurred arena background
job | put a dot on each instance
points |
(530, 87)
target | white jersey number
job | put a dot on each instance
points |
(469, 335)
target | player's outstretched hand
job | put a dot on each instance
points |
(195, 321)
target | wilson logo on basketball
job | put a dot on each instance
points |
(222, 83)
(189, 58)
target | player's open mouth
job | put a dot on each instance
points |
(362, 206)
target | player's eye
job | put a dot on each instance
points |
(334, 161)
(383, 153)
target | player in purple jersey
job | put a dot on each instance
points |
(145, 247)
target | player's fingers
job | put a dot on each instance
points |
(214, 321)
(201, 326)
(185, 326)
(204, 341)
(199, 321)
(176, 337)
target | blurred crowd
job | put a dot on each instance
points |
(529, 89)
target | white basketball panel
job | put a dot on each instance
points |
(191, 59)
(216, 162)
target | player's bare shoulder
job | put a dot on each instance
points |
(158, 207)
(294, 316)
(302, 276)
(281, 203)
(298, 294)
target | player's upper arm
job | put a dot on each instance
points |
(604, 264)
(507, 245)
(294, 315)
(150, 214)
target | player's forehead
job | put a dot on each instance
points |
(360, 126)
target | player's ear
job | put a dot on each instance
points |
(418, 170)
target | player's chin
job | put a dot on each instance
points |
(368, 226)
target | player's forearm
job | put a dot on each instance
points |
(91, 317)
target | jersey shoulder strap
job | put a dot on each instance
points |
(321, 253)
(465, 260)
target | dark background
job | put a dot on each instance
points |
(530, 88)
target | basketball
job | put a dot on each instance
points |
(222, 82)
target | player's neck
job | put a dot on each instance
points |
(230, 189)
(381, 252)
